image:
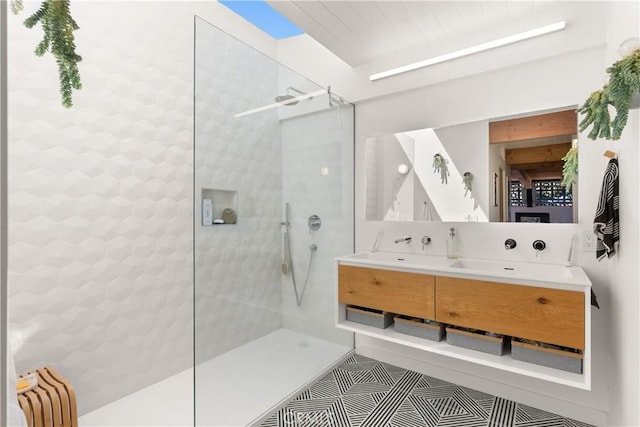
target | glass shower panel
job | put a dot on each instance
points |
(266, 138)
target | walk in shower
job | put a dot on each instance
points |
(273, 199)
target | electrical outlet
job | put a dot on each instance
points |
(589, 242)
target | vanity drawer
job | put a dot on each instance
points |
(397, 292)
(553, 316)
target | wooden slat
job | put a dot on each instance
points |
(45, 403)
(36, 408)
(393, 291)
(536, 155)
(26, 408)
(58, 396)
(532, 127)
(536, 171)
(552, 316)
(541, 167)
(68, 389)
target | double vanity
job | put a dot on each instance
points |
(527, 303)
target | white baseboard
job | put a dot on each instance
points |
(528, 391)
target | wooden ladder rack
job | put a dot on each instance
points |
(52, 403)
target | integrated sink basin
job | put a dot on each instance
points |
(481, 269)
(515, 268)
(394, 258)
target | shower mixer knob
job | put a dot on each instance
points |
(314, 223)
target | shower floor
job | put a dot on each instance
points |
(233, 389)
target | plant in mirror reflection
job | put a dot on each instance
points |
(570, 168)
(467, 180)
(440, 166)
(58, 27)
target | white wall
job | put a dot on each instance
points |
(312, 144)
(622, 273)
(100, 214)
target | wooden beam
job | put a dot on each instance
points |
(532, 127)
(522, 177)
(555, 166)
(543, 176)
(538, 154)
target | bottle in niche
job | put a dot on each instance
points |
(453, 247)
(207, 212)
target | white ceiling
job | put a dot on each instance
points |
(359, 32)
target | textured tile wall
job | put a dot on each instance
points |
(100, 211)
(237, 289)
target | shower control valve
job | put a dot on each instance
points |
(314, 223)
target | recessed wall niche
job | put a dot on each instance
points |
(218, 207)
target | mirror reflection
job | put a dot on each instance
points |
(499, 170)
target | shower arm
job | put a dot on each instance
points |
(334, 98)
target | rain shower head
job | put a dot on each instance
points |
(281, 100)
(289, 99)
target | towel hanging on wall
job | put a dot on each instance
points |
(606, 224)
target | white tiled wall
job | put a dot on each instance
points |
(237, 287)
(100, 213)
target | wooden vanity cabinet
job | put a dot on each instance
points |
(397, 292)
(553, 316)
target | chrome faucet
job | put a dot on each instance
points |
(404, 239)
(509, 244)
(426, 240)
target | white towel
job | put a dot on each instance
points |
(606, 224)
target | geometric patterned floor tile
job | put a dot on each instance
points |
(363, 392)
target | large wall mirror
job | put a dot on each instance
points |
(507, 169)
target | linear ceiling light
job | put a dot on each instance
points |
(292, 100)
(471, 50)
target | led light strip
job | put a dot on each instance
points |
(514, 38)
(278, 104)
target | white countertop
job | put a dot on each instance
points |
(555, 276)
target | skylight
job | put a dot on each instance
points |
(264, 17)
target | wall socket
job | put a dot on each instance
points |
(589, 242)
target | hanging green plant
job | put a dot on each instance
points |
(624, 83)
(58, 26)
(570, 168)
